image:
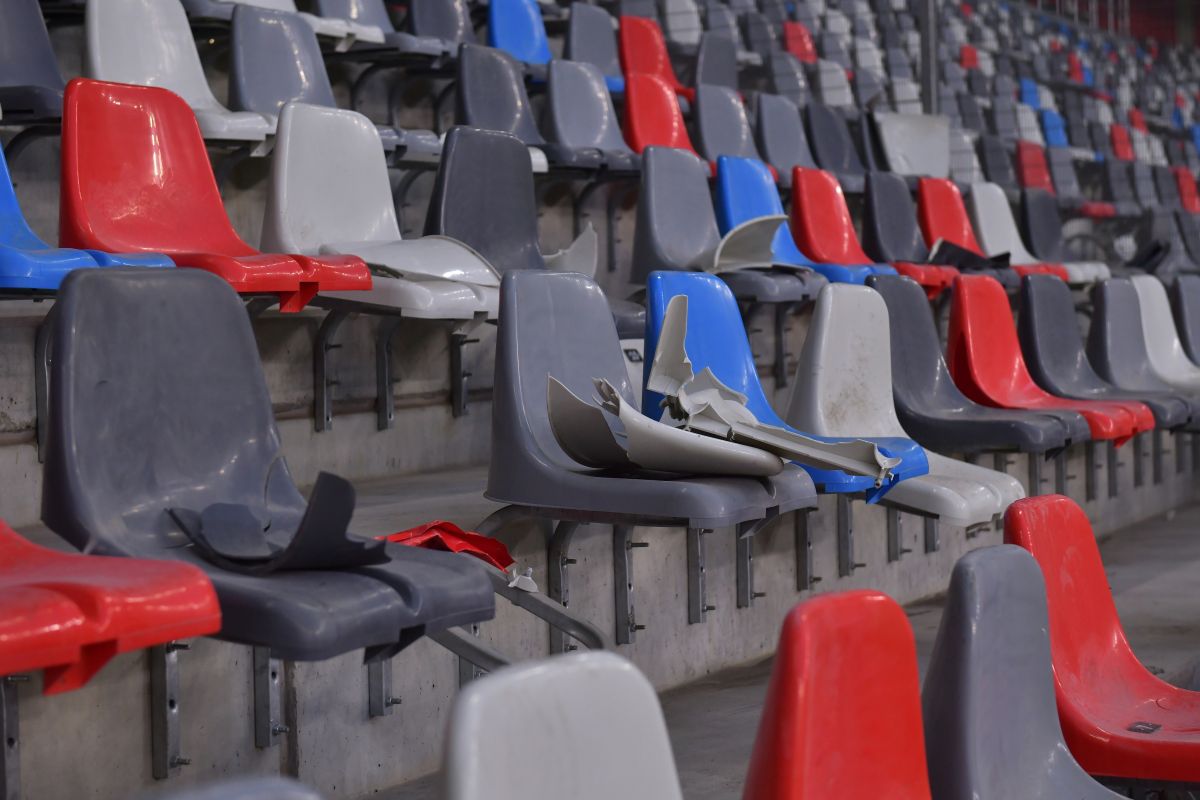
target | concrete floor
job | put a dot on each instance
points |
(1153, 569)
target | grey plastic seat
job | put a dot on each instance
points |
(831, 49)
(375, 14)
(681, 23)
(448, 21)
(1003, 117)
(914, 145)
(786, 78)
(970, 113)
(932, 408)
(965, 168)
(869, 90)
(720, 18)
(558, 324)
(832, 145)
(716, 61)
(758, 34)
(1144, 191)
(1042, 229)
(1029, 129)
(592, 39)
(832, 87)
(1118, 188)
(998, 165)
(906, 98)
(991, 722)
(580, 115)
(555, 727)
(779, 132)
(196, 440)
(31, 84)
(1167, 358)
(1168, 190)
(722, 127)
(1185, 303)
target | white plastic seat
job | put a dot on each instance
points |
(844, 385)
(1167, 357)
(586, 726)
(1028, 127)
(149, 43)
(906, 97)
(681, 22)
(867, 56)
(345, 31)
(996, 229)
(330, 193)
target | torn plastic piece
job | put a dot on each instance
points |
(581, 256)
(750, 245)
(522, 580)
(446, 536)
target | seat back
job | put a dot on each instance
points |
(1042, 225)
(831, 142)
(681, 22)
(832, 50)
(1029, 129)
(786, 78)
(1185, 303)
(1168, 190)
(722, 128)
(329, 182)
(759, 34)
(993, 222)
(160, 195)
(997, 164)
(448, 20)
(652, 115)
(971, 113)
(676, 225)
(1158, 326)
(1054, 128)
(982, 349)
(158, 401)
(942, 214)
(780, 135)
(644, 52)
(890, 230)
(1185, 184)
(1142, 178)
(832, 85)
(580, 112)
(26, 55)
(1003, 113)
(1032, 167)
(716, 61)
(1116, 345)
(147, 43)
(491, 94)
(845, 673)
(964, 162)
(367, 12)
(914, 145)
(590, 37)
(1116, 179)
(1122, 147)
(275, 58)
(1062, 173)
(516, 27)
(500, 225)
(559, 723)
(14, 229)
(1050, 337)
(746, 190)
(720, 18)
(821, 220)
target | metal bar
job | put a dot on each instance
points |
(558, 582)
(929, 45)
(322, 383)
(626, 619)
(551, 612)
(268, 698)
(895, 536)
(805, 579)
(470, 650)
(1060, 473)
(1157, 450)
(41, 381)
(1114, 469)
(1035, 474)
(1091, 466)
(10, 738)
(1180, 452)
(165, 737)
(385, 412)
(745, 564)
(933, 539)
(845, 535)
(467, 670)
(1139, 453)
(458, 375)
(698, 605)
(781, 312)
(379, 689)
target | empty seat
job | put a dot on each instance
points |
(149, 43)
(448, 21)
(991, 726)
(998, 234)
(202, 472)
(1066, 186)
(1032, 168)
(965, 168)
(722, 127)
(1028, 128)
(986, 362)
(833, 147)
(832, 50)
(681, 23)
(344, 29)
(1185, 303)
(970, 113)
(160, 195)
(516, 27)
(891, 235)
(716, 61)
(998, 164)
(1168, 190)
(914, 145)
(601, 708)
(759, 34)
(786, 78)
(1119, 720)
(437, 31)
(1185, 183)
(580, 116)
(1167, 358)
(779, 133)
(68, 614)
(797, 40)
(1042, 229)
(1118, 189)
(1122, 147)
(906, 98)
(590, 38)
(1003, 117)
(652, 115)
(31, 84)
(644, 52)
(832, 87)
(845, 671)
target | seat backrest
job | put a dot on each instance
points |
(156, 371)
(821, 220)
(448, 20)
(845, 677)
(580, 112)
(780, 134)
(676, 225)
(997, 164)
(367, 12)
(26, 55)
(943, 216)
(652, 115)
(14, 229)
(1027, 125)
(516, 27)
(746, 190)
(890, 230)
(1122, 147)
(643, 51)
(994, 225)
(1185, 184)
(1142, 178)
(501, 224)
(982, 350)
(1054, 128)
(1050, 337)
(147, 43)
(1116, 345)
(681, 22)
(722, 128)
(275, 58)
(832, 85)
(971, 113)
(914, 144)
(491, 94)
(759, 34)
(832, 50)
(1032, 167)
(716, 61)
(1003, 114)
(329, 182)
(797, 40)
(964, 161)
(1168, 190)
(720, 18)
(1116, 179)
(830, 139)
(160, 195)
(1158, 326)
(1042, 225)
(559, 723)
(591, 38)
(787, 79)
(1027, 92)
(1185, 303)
(1062, 173)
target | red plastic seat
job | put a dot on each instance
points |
(797, 40)
(824, 230)
(1138, 120)
(136, 178)
(1074, 67)
(1032, 168)
(842, 718)
(652, 115)
(1119, 720)
(985, 361)
(1188, 193)
(1098, 210)
(644, 52)
(968, 57)
(69, 614)
(1122, 147)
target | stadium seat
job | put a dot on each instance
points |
(438, 26)
(604, 709)
(891, 235)
(149, 43)
(1119, 190)
(346, 30)
(1042, 228)
(1032, 168)
(1028, 127)
(986, 363)
(998, 164)
(1120, 721)
(1185, 183)
(833, 147)
(1061, 166)
(845, 671)
(1003, 117)
(580, 117)
(844, 388)
(644, 52)
(1167, 189)
(971, 113)
(991, 727)
(129, 205)
(722, 127)
(448, 21)
(759, 34)
(1165, 350)
(720, 344)
(1122, 147)
(330, 194)
(797, 40)
(965, 168)
(590, 38)
(779, 132)
(652, 115)
(68, 614)
(716, 61)
(913, 145)
(204, 480)
(31, 84)
(1185, 303)
(832, 87)
(786, 78)
(516, 27)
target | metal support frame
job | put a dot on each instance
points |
(558, 586)
(10, 738)
(255, 306)
(165, 733)
(1114, 469)
(29, 135)
(845, 537)
(467, 669)
(1157, 450)
(895, 536)
(781, 314)
(474, 657)
(322, 383)
(268, 698)
(744, 561)
(1060, 472)
(1035, 474)
(805, 579)
(1091, 467)
(226, 164)
(41, 383)
(623, 547)
(1139, 453)
(380, 701)
(385, 412)
(933, 538)
(1177, 442)
(458, 375)
(698, 606)
(929, 46)
(1195, 452)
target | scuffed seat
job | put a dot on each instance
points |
(1165, 351)
(330, 194)
(559, 723)
(160, 195)
(149, 43)
(844, 384)
(580, 115)
(845, 671)
(986, 363)
(69, 614)
(196, 437)
(914, 145)
(991, 726)
(1043, 230)
(1120, 721)
(31, 84)
(591, 39)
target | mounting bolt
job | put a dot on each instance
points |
(278, 729)
(180, 761)
(760, 594)
(638, 544)
(173, 647)
(392, 701)
(710, 608)
(18, 679)
(634, 627)
(568, 561)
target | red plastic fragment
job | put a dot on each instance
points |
(448, 537)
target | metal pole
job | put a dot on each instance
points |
(929, 48)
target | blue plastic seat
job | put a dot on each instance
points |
(746, 191)
(1054, 129)
(27, 264)
(516, 27)
(1029, 93)
(721, 344)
